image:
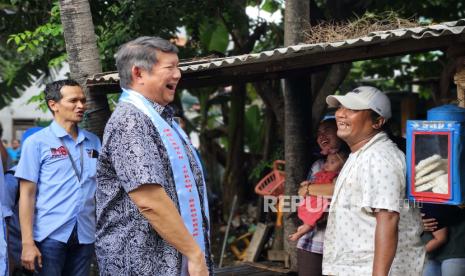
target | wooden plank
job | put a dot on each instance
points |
(269, 267)
(253, 269)
(277, 255)
(257, 242)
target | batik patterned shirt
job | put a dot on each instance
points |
(133, 154)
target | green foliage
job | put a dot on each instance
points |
(40, 99)
(18, 71)
(254, 129)
(34, 43)
(40, 38)
(57, 61)
(271, 5)
(35, 46)
(113, 100)
(43, 122)
(399, 72)
(117, 22)
(34, 27)
(396, 73)
(31, 37)
(433, 10)
(264, 166)
(273, 38)
(31, 42)
(214, 36)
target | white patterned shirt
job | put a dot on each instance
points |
(372, 178)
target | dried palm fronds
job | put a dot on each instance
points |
(327, 32)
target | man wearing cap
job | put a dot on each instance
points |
(371, 229)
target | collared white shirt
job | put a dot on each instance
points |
(372, 178)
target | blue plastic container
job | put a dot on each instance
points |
(447, 112)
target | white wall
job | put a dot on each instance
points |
(19, 109)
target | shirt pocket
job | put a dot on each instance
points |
(55, 170)
(91, 167)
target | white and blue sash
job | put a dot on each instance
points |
(186, 188)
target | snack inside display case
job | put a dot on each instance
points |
(435, 161)
(432, 169)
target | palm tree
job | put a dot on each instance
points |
(83, 57)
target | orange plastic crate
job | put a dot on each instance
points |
(273, 183)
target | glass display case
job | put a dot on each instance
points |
(435, 161)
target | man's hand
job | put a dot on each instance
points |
(196, 266)
(429, 224)
(27, 200)
(29, 255)
(155, 205)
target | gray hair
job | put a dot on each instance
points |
(140, 52)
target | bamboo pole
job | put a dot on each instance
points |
(226, 234)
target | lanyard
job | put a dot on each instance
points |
(78, 175)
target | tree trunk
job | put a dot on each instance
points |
(272, 95)
(83, 58)
(213, 155)
(235, 175)
(297, 118)
(334, 77)
(234, 178)
(459, 80)
(295, 18)
(453, 53)
(269, 138)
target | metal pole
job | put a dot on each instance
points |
(233, 207)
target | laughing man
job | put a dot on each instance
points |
(370, 230)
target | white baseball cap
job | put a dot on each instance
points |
(363, 97)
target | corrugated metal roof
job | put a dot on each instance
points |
(456, 27)
(196, 67)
